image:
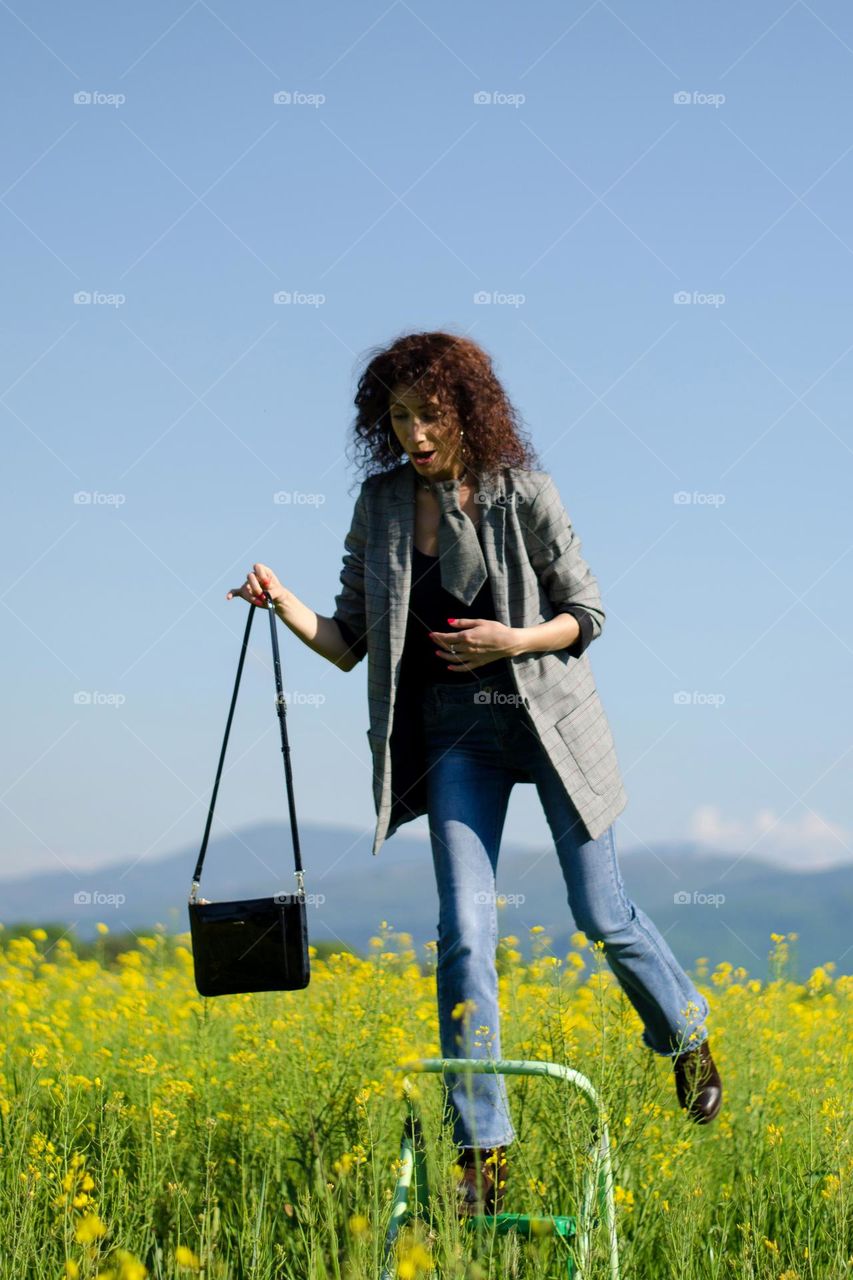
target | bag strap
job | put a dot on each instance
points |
(285, 747)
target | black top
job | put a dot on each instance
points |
(430, 605)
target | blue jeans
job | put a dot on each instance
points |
(479, 741)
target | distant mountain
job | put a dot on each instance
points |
(355, 891)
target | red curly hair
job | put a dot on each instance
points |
(458, 375)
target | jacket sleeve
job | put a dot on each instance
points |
(586, 625)
(349, 602)
(554, 550)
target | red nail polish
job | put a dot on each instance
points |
(451, 619)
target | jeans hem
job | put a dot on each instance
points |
(481, 1146)
(674, 1053)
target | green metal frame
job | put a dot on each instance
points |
(597, 1177)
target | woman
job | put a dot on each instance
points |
(464, 585)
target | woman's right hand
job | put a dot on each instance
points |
(260, 578)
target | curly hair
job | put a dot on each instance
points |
(458, 375)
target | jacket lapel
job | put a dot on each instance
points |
(401, 525)
(492, 528)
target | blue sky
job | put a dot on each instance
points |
(656, 204)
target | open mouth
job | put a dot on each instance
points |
(424, 457)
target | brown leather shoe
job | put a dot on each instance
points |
(489, 1197)
(698, 1084)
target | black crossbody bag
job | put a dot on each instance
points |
(259, 944)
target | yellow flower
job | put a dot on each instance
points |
(416, 1260)
(89, 1229)
(624, 1197)
(129, 1267)
(358, 1224)
(101, 927)
(186, 1258)
(819, 979)
(40, 935)
(541, 1227)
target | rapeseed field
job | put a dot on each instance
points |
(146, 1131)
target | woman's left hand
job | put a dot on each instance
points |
(476, 641)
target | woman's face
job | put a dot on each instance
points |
(422, 430)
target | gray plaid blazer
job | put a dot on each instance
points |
(535, 568)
